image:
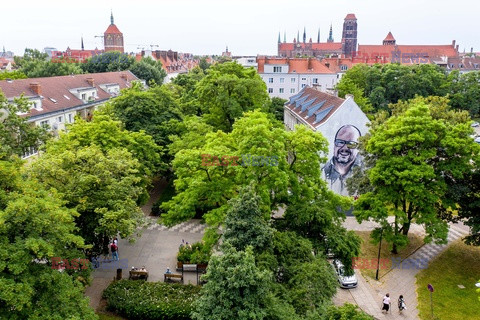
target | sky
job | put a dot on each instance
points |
(247, 27)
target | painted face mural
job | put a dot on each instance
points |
(345, 158)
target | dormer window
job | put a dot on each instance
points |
(452, 66)
(460, 65)
(476, 65)
(343, 67)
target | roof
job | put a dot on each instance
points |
(58, 89)
(350, 16)
(295, 65)
(113, 29)
(313, 107)
(327, 46)
(389, 37)
(430, 51)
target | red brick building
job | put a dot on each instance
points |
(113, 38)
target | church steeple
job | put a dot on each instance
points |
(298, 36)
(330, 35)
(284, 37)
(304, 35)
(279, 37)
(83, 48)
(318, 36)
(111, 17)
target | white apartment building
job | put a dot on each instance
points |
(285, 77)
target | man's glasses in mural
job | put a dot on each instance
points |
(350, 144)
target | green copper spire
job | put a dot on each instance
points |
(304, 35)
(330, 35)
(111, 18)
(279, 37)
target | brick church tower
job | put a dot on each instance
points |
(113, 38)
(349, 35)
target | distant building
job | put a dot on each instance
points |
(5, 64)
(285, 77)
(346, 47)
(75, 55)
(341, 122)
(226, 53)
(113, 38)
(55, 101)
(247, 62)
(173, 62)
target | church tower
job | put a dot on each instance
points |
(113, 38)
(349, 35)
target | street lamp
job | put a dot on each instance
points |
(379, 249)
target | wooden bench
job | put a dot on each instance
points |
(170, 277)
(138, 275)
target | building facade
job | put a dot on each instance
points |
(113, 38)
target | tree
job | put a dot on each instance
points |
(149, 70)
(245, 225)
(349, 87)
(104, 187)
(346, 312)
(35, 64)
(412, 154)
(464, 92)
(185, 84)
(17, 136)
(228, 91)
(276, 108)
(235, 288)
(13, 75)
(204, 64)
(107, 62)
(35, 227)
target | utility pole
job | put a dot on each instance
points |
(379, 249)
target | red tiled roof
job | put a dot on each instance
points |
(330, 104)
(430, 50)
(112, 29)
(335, 63)
(389, 37)
(350, 16)
(58, 87)
(295, 65)
(315, 46)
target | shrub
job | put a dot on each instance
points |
(198, 253)
(151, 300)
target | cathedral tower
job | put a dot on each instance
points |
(113, 38)
(349, 35)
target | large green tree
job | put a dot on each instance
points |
(35, 64)
(104, 187)
(464, 91)
(228, 91)
(107, 62)
(17, 136)
(35, 226)
(412, 155)
(149, 70)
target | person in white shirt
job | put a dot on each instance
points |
(386, 303)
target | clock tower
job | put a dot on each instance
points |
(113, 38)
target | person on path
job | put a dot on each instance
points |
(401, 304)
(386, 303)
(114, 249)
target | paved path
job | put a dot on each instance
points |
(369, 293)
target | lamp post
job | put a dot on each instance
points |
(379, 249)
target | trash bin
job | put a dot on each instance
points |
(119, 274)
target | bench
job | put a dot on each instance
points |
(138, 275)
(170, 277)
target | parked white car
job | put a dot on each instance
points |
(346, 282)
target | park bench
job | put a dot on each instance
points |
(170, 277)
(138, 274)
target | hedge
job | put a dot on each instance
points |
(151, 300)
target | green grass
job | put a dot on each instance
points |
(459, 264)
(369, 251)
(103, 316)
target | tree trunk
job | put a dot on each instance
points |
(406, 228)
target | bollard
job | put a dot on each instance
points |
(119, 274)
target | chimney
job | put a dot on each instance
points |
(457, 47)
(123, 76)
(91, 82)
(35, 86)
(453, 43)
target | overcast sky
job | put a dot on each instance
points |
(247, 27)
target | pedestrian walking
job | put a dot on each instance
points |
(386, 303)
(114, 249)
(401, 304)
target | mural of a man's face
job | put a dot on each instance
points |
(345, 146)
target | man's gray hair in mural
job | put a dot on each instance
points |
(345, 157)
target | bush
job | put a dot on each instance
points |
(151, 300)
(198, 253)
(166, 195)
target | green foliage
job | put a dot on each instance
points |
(149, 70)
(347, 86)
(276, 108)
(35, 64)
(197, 253)
(14, 74)
(104, 187)
(16, 134)
(235, 288)
(346, 312)
(412, 156)
(185, 85)
(108, 61)
(203, 64)
(464, 92)
(167, 195)
(245, 225)
(151, 300)
(34, 227)
(227, 92)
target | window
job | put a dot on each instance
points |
(44, 123)
(277, 69)
(476, 65)
(292, 80)
(460, 65)
(70, 118)
(282, 80)
(270, 80)
(315, 80)
(343, 67)
(304, 79)
(281, 90)
(35, 105)
(60, 119)
(84, 96)
(270, 90)
(292, 90)
(303, 85)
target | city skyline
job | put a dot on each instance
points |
(247, 28)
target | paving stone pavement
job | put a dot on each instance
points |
(369, 293)
(191, 226)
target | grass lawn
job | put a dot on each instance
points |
(369, 252)
(458, 265)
